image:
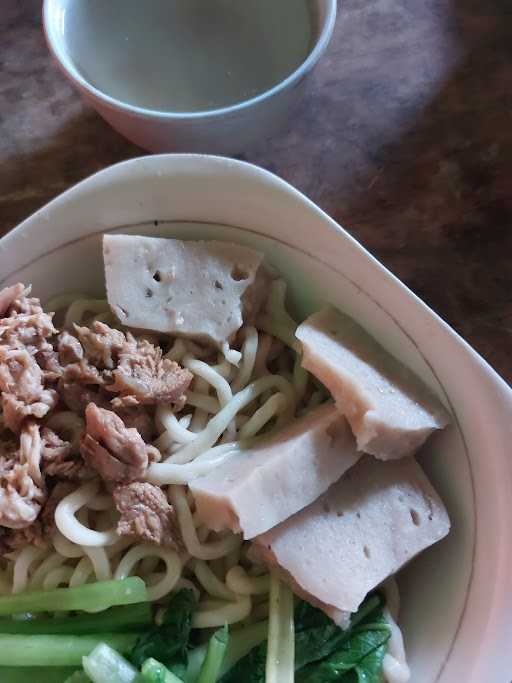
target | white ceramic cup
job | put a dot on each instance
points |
(456, 609)
(225, 130)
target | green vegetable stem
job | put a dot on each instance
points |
(113, 620)
(105, 665)
(43, 674)
(155, 672)
(76, 677)
(241, 642)
(102, 593)
(21, 650)
(215, 654)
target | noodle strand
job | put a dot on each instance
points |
(71, 528)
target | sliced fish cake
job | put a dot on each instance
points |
(367, 526)
(262, 486)
(390, 410)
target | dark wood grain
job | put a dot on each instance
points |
(404, 136)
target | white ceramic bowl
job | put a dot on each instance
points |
(226, 130)
(457, 597)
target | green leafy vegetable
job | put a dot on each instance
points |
(58, 650)
(350, 656)
(215, 654)
(249, 669)
(369, 669)
(104, 593)
(155, 672)
(116, 619)
(323, 651)
(106, 665)
(168, 642)
(317, 636)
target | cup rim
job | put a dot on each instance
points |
(59, 53)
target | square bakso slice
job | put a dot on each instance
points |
(263, 485)
(390, 410)
(362, 530)
(202, 290)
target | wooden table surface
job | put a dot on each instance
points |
(404, 137)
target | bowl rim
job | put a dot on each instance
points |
(50, 10)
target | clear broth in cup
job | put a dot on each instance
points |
(187, 55)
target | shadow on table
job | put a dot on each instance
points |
(84, 145)
(436, 203)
